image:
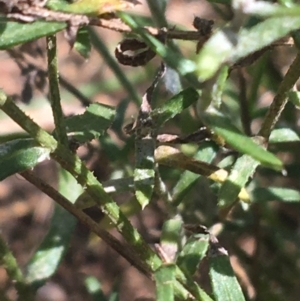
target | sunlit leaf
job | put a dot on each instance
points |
(144, 172)
(83, 43)
(193, 252)
(19, 155)
(94, 288)
(222, 126)
(242, 170)
(283, 135)
(266, 194)
(294, 97)
(91, 124)
(224, 283)
(174, 106)
(227, 46)
(165, 279)
(93, 7)
(206, 153)
(13, 33)
(170, 237)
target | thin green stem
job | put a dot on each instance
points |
(72, 163)
(8, 261)
(54, 93)
(280, 98)
(120, 248)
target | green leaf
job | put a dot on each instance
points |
(206, 153)
(283, 135)
(13, 33)
(282, 194)
(91, 124)
(174, 106)
(165, 278)
(114, 296)
(171, 236)
(227, 46)
(224, 283)
(218, 87)
(144, 172)
(242, 170)
(19, 155)
(265, 9)
(94, 288)
(83, 42)
(193, 252)
(46, 259)
(222, 126)
(294, 97)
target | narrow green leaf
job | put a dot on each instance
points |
(282, 194)
(144, 172)
(13, 33)
(92, 123)
(224, 283)
(227, 46)
(207, 151)
(294, 97)
(223, 127)
(19, 155)
(174, 106)
(46, 259)
(94, 288)
(83, 42)
(242, 170)
(266, 9)
(283, 135)
(171, 237)
(165, 278)
(114, 295)
(192, 253)
(219, 86)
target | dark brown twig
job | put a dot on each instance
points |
(124, 250)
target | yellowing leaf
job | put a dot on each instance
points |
(98, 7)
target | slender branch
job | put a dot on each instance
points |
(54, 93)
(72, 163)
(8, 261)
(280, 98)
(124, 250)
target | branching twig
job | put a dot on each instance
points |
(75, 166)
(280, 98)
(124, 250)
